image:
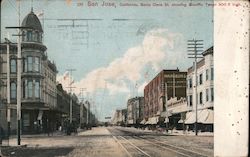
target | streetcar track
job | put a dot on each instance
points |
(179, 150)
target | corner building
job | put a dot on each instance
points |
(38, 75)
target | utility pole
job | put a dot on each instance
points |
(195, 46)
(81, 107)
(174, 85)
(166, 104)
(8, 85)
(70, 91)
(19, 68)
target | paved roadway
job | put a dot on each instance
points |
(113, 142)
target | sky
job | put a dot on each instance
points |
(120, 50)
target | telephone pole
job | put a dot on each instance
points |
(19, 68)
(195, 46)
(8, 85)
(70, 91)
(81, 107)
(166, 104)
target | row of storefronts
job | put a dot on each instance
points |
(170, 102)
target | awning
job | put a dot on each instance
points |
(152, 120)
(180, 121)
(130, 121)
(209, 118)
(40, 115)
(143, 121)
(205, 116)
(166, 120)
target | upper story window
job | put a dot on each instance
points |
(36, 64)
(13, 65)
(30, 89)
(37, 89)
(32, 64)
(32, 36)
(29, 63)
(207, 95)
(29, 35)
(207, 74)
(201, 79)
(190, 100)
(201, 96)
(13, 90)
(212, 94)
(212, 73)
(190, 83)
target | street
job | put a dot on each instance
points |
(111, 141)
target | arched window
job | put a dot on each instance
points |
(13, 90)
(13, 65)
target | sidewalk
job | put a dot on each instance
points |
(173, 132)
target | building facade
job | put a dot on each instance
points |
(166, 85)
(135, 108)
(120, 117)
(205, 90)
(38, 77)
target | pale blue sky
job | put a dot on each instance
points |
(109, 41)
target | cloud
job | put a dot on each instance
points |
(153, 51)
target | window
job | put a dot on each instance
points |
(29, 35)
(38, 36)
(201, 79)
(206, 74)
(13, 65)
(29, 64)
(190, 100)
(212, 94)
(207, 95)
(201, 98)
(212, 73)
(24, 89)
(37, 64)
(190, 83)
(13, 90)
(30, 91)
(37, 89)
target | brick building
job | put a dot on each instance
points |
(167, 84)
